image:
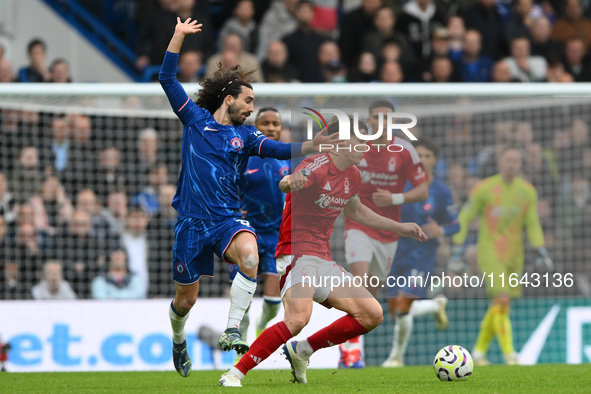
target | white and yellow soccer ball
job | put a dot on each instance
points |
(453, 362)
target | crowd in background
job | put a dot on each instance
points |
(350, 41)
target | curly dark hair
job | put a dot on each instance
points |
(225, 81)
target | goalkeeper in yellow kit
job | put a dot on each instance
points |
(505, 204)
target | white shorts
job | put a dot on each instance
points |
(361, 247)
(316, 271)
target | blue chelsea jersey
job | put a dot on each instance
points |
(213, 155)
(259, 189)
(440, 207)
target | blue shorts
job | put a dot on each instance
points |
(196, 241)
(267, 244)
(409, 274)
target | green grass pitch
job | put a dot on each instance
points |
(491, 379)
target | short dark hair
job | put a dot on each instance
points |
(224, 82)
(34, 42)
(428, 144)
(266, 109)
(381, 103)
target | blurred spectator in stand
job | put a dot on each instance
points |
(329, 59)
(233, 44)
(541, 42)
(472, 66)
(418, 22)
(502, 73)
(365, 69)
(146, 156)
(442, 70)
(36, 71)
(275, 67)
(7, 202)
(115, 214)
(456, 29)
(118, 283)
(573, 25)
(55, 153)
(523, 14)
(59, 71)
(523, 66)
(537, 171)
(278, 21)
(303, 45)
(11, 285)
(557, 73)
(154, 33)
(28, 252)
(391, 72)
(190, 66)
(5, 71)
(52, 208)
(135, 241)
(27, 178)
(147, 198)
(562, 149)
(575, 61)
(99, 228)
(439, 49)
(53, 286)
(243, 24)
(392, 51)
(354, 26)
(83, 257)
(384, 21)
(109, 175)
(579, 134)
(485, 17)
(81, 155)
(161, 240)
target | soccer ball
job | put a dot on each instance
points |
(453, 362)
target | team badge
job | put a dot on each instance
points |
(392, 165)
(180, 268)
(236, 143)
(283, 171)
(346, 185)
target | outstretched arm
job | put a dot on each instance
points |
(358, 212)
(283, 151)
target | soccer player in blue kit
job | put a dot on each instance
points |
(262, 206)
(216, 147)
(437, 216)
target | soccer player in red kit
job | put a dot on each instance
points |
(320, 188)
(385, 169)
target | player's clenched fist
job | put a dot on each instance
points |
(412, 230)
(295, 181)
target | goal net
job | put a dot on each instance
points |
(88, 170)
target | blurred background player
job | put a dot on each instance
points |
(304, 252)
(216, 147)
(262, 206)
(438, 217)
(4, 349)
(505, 204)
(384, 174)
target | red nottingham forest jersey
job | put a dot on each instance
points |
(309, 214)
(387, 170)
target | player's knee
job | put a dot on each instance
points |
(296, 323)
(372, 316)
(250, 259)
(186, 302)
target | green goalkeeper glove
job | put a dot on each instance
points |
(543, 260)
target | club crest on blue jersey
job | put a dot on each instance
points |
(283, 171)
(236, 143)
(180, 268)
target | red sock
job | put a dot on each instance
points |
(346, 327)
(264, 346)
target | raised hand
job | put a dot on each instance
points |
(382, 198)
(187, 27)
(412, 230)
